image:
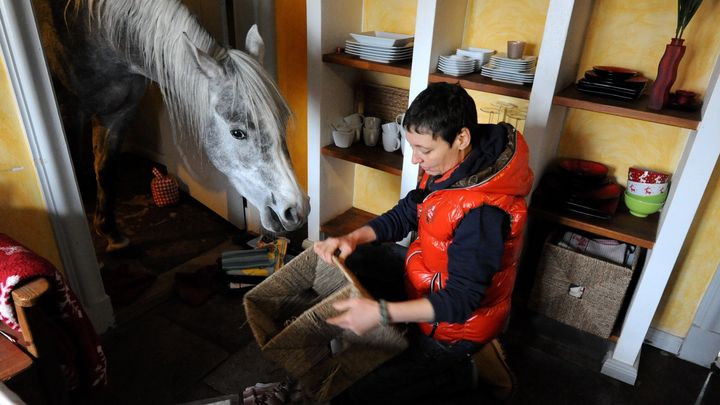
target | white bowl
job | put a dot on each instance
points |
(646, 189)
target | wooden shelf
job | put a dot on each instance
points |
(623, 226)
(342, 58)
(346, 222)
(371, 156)
(571, 97)
(475, 81)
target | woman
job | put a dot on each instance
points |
(469, 211)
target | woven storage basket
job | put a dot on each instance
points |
(593, 310)
(287, 315)
(384, 102)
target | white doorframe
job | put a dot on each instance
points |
(40, 117)
(702, 344)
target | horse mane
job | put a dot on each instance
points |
(150, 35)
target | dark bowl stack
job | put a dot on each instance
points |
(615, 82)
(579, 186)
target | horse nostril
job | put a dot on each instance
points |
(291, 214)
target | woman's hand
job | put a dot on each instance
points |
(361, 315)
(327, 248)
(346, 243)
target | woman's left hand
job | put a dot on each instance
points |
(361, 315)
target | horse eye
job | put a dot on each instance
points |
(238, 134)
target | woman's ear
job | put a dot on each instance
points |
(463, 138)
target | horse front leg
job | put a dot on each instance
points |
(106, 146)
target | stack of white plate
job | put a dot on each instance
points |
(515, 71)
(481, 55)
(379, 46)
(456, 65)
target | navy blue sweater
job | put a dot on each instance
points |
(477, 247)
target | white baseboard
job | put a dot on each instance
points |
(664, 341)
(619, 370)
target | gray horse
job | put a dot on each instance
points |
(221, 102)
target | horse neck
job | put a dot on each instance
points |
(151, 34)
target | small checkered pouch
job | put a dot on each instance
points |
(164, 189)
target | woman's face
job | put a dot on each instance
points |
(435, 156)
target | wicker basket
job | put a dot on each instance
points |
(287, 315)
(579, 290)
(385, 102)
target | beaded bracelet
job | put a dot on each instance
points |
(384, 314)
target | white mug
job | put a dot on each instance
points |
(373, 122)
(343, 139)
(399, 120)
(391, 137)
(355, 121)
(371, 136)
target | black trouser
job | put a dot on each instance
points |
(427, 368)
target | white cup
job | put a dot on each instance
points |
(371, 136)
(391, 136)
(399, 120)
(343, 138)
(372, 122)
(355, 121)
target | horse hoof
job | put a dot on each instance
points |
(117, 244)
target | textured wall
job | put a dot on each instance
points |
(23, 214)
(633, 35)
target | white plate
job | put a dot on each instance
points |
(493, 69)
(361, 49)
(382, 38)
(367, 55)
(455, 71)
(453, 65)
(404, 47)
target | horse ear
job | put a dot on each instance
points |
(254, 44)
(207, 65)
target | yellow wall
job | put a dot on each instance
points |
(291, 42)
(633, 35)
(23, 214)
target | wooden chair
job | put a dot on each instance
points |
(32, 362)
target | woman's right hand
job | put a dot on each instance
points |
(327, 248)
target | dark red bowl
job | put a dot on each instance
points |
(584, 168)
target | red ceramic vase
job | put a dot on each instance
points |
(667, 73)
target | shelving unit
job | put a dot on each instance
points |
(341, 58)
(623, 226)
(370, 156)
(571, 97)
(550, 97)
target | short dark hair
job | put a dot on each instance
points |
(441, 110)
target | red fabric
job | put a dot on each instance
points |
(164, 189)
(427, 255)
(86, 364)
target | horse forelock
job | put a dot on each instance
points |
(262, 97)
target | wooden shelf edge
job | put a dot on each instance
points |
(342, 58)
(370, 156)
(571, 97)
(475, 81)
(623, 227)
(346, 222)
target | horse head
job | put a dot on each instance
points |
(245, 136)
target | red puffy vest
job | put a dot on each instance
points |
(440, 213)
